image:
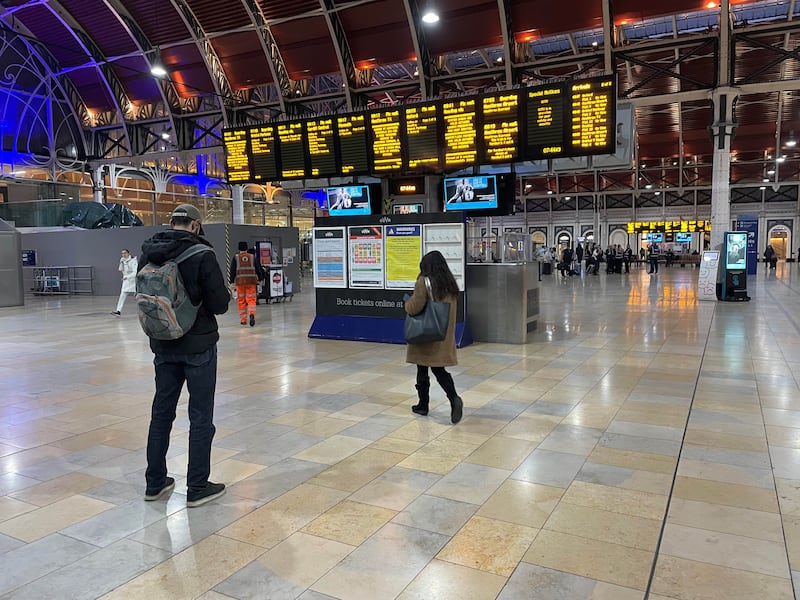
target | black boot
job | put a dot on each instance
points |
(423, 391)
(456, 408)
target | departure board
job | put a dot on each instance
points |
(592, 116)
(264, 152)
(460, 133)
(386, 144)
(500, 128)
(321, 153)
(545, 122)
(237, 159)
(352, 134)
(293, 155)
(422, 138)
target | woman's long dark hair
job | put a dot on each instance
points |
(434, 267)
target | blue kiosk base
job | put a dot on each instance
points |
(371, 329)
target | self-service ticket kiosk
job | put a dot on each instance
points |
(734, 263)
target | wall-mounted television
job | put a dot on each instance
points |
(348, 201)
(470, 193)
(654, 238)
(683, 238)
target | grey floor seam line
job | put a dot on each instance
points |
(769, 456)
(678, 462)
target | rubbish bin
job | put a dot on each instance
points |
(547, 268)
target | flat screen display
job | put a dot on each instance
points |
(406, 209)
(683, 238)
(470, 193)
(736, 249)
(348, 201)
(654, 238)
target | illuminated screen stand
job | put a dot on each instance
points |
(734, 267)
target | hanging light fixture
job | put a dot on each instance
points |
(157, 67)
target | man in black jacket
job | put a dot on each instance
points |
(191, 358)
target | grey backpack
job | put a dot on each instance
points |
(165, 310)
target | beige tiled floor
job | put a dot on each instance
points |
(642, 445)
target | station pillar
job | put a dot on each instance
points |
(237, 197)
(723, 102)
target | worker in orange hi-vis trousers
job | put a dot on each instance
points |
(246, 273)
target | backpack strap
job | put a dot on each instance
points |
(191, 251)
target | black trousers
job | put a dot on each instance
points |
(442, 376)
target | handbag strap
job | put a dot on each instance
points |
(428, 287)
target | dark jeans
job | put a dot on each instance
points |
(654, 265)
(199, 371)
(442, 376)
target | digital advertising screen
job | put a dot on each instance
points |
(654, 238)
(470, 193)
(735, 251)
(407, 209)
(348, 201)
(683, 238)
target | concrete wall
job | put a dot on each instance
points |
(101, 249)
(11, 286)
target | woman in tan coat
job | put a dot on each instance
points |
(436, 355)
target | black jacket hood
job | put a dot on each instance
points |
(170, 243)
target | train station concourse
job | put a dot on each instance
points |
(614, 186)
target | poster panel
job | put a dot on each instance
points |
(330, 256)
(366, 256)
(403, 253)
(707, 283)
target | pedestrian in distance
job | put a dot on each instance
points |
(191, 358)
(245, 273)
(128, 266)
(435, 356)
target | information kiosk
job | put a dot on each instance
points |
(364, 265)
(734, 263)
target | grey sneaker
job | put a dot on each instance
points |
(212, 491)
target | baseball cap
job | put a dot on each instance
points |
(190, 212)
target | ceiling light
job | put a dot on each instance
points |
(649, 186)
(771, 172)
(164, 135)
(791, 143)
(658, 193)
(595, 44)
(430, 17)
(416, 72)
(157, 67)
(549, 192)
(765, 180)
(762, 187)
(780, 159)
(567, 197)
(499, 59)
(711, 5)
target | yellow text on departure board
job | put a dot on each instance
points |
(501, 126)
(591, 116)
(237, 160)
(460, 133)
(352, 132)
(320, 144)
(386, 140)
(421, 131)
(669, 226)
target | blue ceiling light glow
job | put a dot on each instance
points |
(317, 196)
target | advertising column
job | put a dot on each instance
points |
(749, 224)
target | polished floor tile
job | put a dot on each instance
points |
(633, 408)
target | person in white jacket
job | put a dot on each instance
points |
(128, 266)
